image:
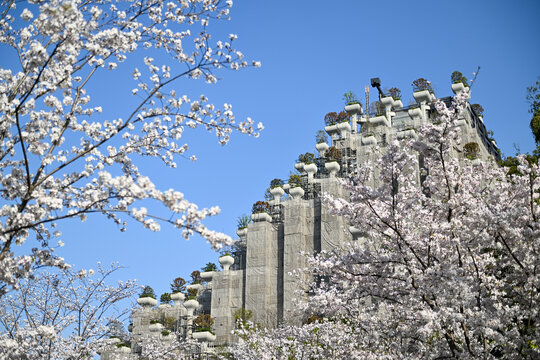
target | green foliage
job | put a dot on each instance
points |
(165, 332)
(169, 322)
(457, 77)
(155, 321)
(204, 321)
(533, 97)
(395, 93)
(243, 221)
(260, 207)
(178, 285)
(276, 183)
(471, 150)
(148, 292)
(512, 163)
(192, 294)
(165, 298)
(478, 109)
(242, 316)
(333, 154)
(350, 98)
(123, 344)
(321, 137)
(295, 180)
(421, 84)
(535, 127)
(210, 267)
(196, 277)
(306, 158)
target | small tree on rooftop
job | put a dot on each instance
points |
(203, 322)
(260, 207)
(395, 93)
(148, 292)
(196, 277)
(421, 84)
(350, 98)
(243, 221)
(321, 137)
(333, 154)
(210, 267)
(165, 298)
(306, 158)
(274, 183)
(478, 109)
(295, 180)
(178, 285)
(457, 77)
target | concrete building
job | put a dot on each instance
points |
(259, 278)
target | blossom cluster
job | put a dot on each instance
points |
(62, 156)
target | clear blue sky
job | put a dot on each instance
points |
(311, 53)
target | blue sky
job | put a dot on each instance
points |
(312, 52)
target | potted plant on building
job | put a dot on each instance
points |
(395, 93)
(422, 90)
(332, 119)
(191, 302)
(459, 82)
(226, 260)
(155, 326)
(321, 142)
(276, 189)
(178, 288)
(208, 272)
(353, 106)
(165, 300)
(333, 157)
(295, 183)
(203, 328)
(308, 159)
(261, 211)
(147, 299)
(242, 223)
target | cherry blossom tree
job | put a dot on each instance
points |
(64, 314)
(447, 266)
(63, 156)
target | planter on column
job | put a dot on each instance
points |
(296, 192)
(299, 166)
(147, 302)
(459, 87)
(368, 140)
(379, 120)
(354, 109)
(321, 148)
(191, 305)
(311, 169)
(407, 134)
(333, 167)
(277, 193)
(227, 260)
(344, 129)
(206, 336)
(155, 327)
(388, 103)
(422, 97)
(197, 287)
(331, 130)
(415, 114)
(177, 297)
(258, 217)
